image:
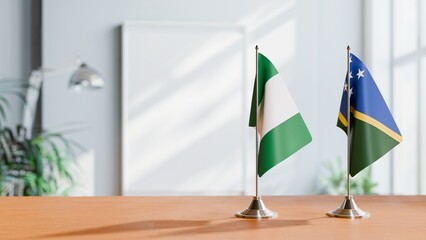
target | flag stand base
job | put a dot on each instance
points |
(348, 209)
(257, 209)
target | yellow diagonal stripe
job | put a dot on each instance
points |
(363, 117)
(343, 119)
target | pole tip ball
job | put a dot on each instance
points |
(349, 48)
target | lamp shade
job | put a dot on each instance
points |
(86, 77)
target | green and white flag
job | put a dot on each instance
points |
(281, 127)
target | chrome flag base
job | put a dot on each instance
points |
(348, 209)
(257, 209)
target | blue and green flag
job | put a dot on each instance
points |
(373, 131)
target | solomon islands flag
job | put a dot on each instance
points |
(373, 131)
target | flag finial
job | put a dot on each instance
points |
(348, 48)
(257, 47)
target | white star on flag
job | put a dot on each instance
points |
(345, 88)
(360, 73)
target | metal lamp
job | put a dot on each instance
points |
(86, 77)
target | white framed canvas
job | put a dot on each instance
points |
(183, 101)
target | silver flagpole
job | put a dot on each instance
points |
(257, 120)
(257, 208)
(348, 208)
(348, 118)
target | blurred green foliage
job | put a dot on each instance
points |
(37, 165)
(333, 181)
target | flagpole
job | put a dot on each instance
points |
(348, 187)
(348, 208)
(257, 208)
(257, 130)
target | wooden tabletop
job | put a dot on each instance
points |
(300, 217)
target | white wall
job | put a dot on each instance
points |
(306, 39)
(15, 47)
(394, 54)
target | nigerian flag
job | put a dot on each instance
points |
(281, 127)
(373, 131)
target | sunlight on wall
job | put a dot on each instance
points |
(405, 108)
(266, 12)
(204, 52)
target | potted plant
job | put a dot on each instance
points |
(32, 166)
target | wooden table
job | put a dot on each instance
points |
(301, 217)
